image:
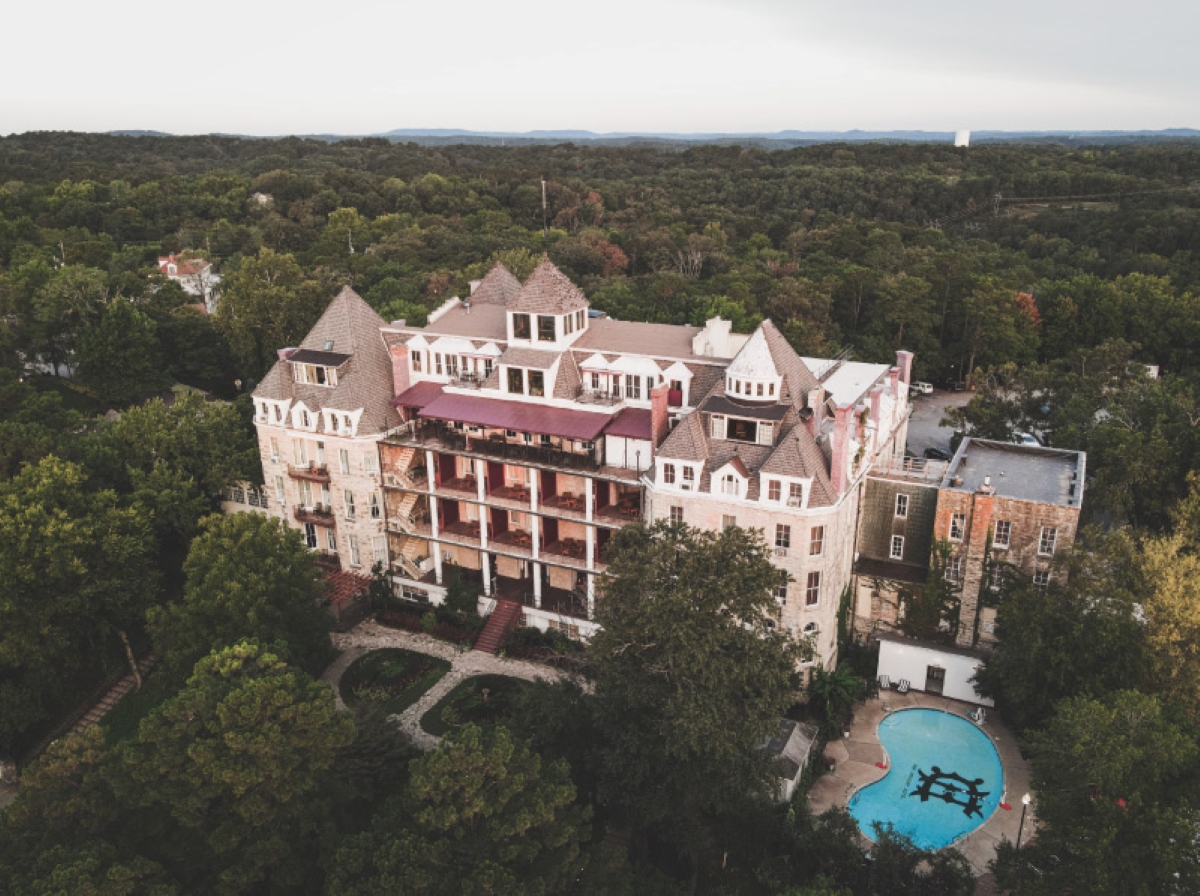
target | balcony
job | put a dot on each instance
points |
(568, 504)
(571, 550)
(318, 514)
(462, 532)
(434, 433)
(514, 541)
(461, 484)
(312, 473)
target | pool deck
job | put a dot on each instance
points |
(856, 755)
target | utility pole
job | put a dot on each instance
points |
(545, 214)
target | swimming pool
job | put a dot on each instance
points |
(945, 779)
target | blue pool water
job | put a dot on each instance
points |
(944, 781)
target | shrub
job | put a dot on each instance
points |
(390, 678)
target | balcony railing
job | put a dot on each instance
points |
(318, 514)
(497, 445)
(313, 472)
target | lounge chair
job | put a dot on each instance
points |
(978, 716)
(885, 683)
(902, 686)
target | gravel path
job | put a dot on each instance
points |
(464, 663)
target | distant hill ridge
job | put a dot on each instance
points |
(774, 138)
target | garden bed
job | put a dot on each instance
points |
(391, 678)
(430, 624)
(481, 700)
(550, 647)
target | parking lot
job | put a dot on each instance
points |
(925, 428)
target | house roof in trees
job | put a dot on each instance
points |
(497, 288)
(185, 267)
(364, 382)
(548, 291)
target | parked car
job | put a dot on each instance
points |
(1025, 438)
(937, 454)
(921, 388)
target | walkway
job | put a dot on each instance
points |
(855, 759)
(464, 663)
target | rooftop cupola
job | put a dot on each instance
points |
(752, 376)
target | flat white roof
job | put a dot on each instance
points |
(853, 380)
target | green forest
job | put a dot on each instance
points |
(1045, 278)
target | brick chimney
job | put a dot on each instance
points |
(894, 380)
(816, 403)
(876, 412)
(839, 466)
(400, 375)
(904, 362)
(660, 423)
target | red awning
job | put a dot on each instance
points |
(632, 423)
(418, 396)
(517, 416)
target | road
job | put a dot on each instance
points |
(925, 428)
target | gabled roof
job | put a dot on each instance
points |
(366, 379)
(548, 291)
(687, 441)
(797, 455)
(496, 288)
(798, 379)
(754, 360)
(528, 357)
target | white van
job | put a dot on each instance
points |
(920, 388)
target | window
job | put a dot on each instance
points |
(633, 387)
(521, 326)
(954, 569)
(348, 497)
(344, 460)
(262, 415)
(781, 588)
(812, 589)
(379, 549)
(279, 496)
(331, 540)
(537, 382)
(774, 490)
(795, 495)
(437, 360)
(728, 521)
(783, 539)
(958, 526)
(310, 536)
(544, 440)
(595, 382)
(515, 517)
(1041, 578)
(897, 552)
(320, 454)
(1002, 537)
(300, 448)
(689, 477)
(760, 389)
(676, 513)
(274, 448)
(376, 510)
(766, 433)
(370, 462)
(516, 380)
(416, 362)
(729, 484)
(306, 494)
(579, 320)
(545, 328)
(305, 420)
(1047, 541)
(902, 506)
(352, 543)
(742, 430)
(816, 541)
(717, 427)
(668, 474)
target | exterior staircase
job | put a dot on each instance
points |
(113, 697)
(505, 616)
(404, 511)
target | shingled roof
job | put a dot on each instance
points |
(497, 288)
(798, 379)
(365, 381)
(797, 454)
(687, 440)
(548, 291)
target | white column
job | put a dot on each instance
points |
(484, 563)
(591, 595)
(435, 547)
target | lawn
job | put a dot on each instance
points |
(482, 700)
(391, 677)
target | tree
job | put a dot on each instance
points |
(120, 356)
(78, 576)
(482, 814)
(833, 695)
(72, 298)
(265, 305)
(246, 577)
(1113, 777)
(227, 773)
(931, 610)
(691, 677)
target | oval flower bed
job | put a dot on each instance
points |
(392, 677)
(479, 700)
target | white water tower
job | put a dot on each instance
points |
(962, 138)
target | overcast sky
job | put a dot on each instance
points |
(368, 66)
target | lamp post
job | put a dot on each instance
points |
(1025, 800)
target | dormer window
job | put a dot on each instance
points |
(730, 484)
(522, 328)
(314, 374)
(546, 328)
